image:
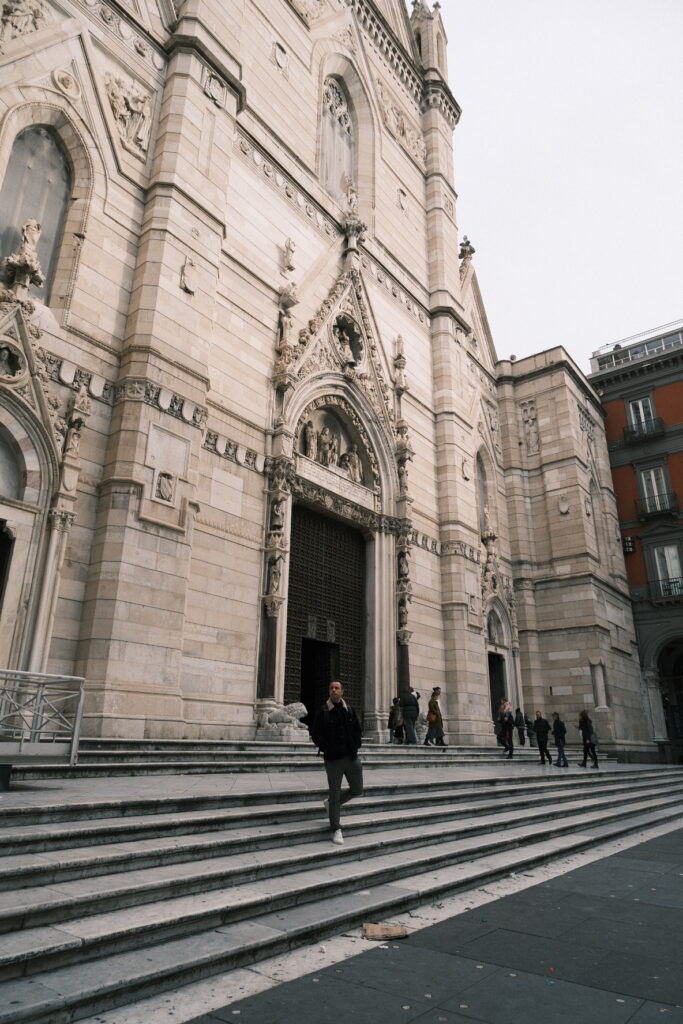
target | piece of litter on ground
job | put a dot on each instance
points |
(384, 931)
(322, 949)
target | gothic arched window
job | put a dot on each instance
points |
(37, 186)
(337, 168)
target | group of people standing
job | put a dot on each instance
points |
(404, 714)
(539, 731)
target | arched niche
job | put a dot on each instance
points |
(36, 186)
(88, 182)
(365, 121)
(331, 434)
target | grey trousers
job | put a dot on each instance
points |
(337, 770)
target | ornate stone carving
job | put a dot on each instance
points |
(309, 10)
(324, 445)
(19, 17)
(23, 266)
(132, 110)
(467, 251)
(288, 255)
(400, 382)
(335, 101)
(188, 276)
(529, 419)
(11, 362)
(165, 486)
(403, 129)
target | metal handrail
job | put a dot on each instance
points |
(662, 590)
(657, 504)
(648, 428)
(40, 716)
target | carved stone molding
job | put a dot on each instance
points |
(231, 450)
(60, 519)
(399, 124)
(587, 423)
(283, 184)
(141, 389)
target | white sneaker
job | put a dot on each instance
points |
(338, 838)
(326, 805)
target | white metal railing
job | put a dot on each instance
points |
(40, 717)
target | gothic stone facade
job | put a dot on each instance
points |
(252, 424)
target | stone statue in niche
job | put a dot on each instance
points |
(277, 515)
(333, 453)
(80, 405)
(344, 342)
(23, 266)
(10, 362)
(274, 575)
(324, 444)
(164, 489)
(310, 441)
(355, 467)
(403, 613)
(530, 427)
(132, 112)
(19, 17)
(403, 567)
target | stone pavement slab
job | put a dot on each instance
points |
(602, 944)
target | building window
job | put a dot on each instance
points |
(640, 413)
(37, 186)
(667, 566)
(338, 141)
(653, 487)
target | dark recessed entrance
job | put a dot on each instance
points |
(496, 682)
(325, 609)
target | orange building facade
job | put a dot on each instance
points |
(640, 384)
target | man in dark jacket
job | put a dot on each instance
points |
(559, 733)
(542, 731)
(337, 732)
(408, 702)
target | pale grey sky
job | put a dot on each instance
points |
(568, 163)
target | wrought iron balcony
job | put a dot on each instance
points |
(657, 505)
(667, 590)
(641, 431)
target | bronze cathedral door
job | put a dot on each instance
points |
(325, 610)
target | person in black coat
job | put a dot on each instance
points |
(338, 734)
(589, 740)
(520, 726)
(559, 733)
(507, 724)
(542, 731)
(408, 702)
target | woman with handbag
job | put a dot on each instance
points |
(589, 738)
(435, 720)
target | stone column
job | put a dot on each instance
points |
(59, 522)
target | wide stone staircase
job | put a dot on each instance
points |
(107, 900)
(114, 757)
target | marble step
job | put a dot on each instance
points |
(89, 813)
(70, 991)
(62, 900)
(210, 834)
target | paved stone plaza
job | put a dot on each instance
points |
(602, 944)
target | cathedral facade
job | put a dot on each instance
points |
(254, 434)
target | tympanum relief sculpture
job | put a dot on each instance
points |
(324, 446)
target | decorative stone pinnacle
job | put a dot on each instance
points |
(467, 250)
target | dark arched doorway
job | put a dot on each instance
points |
(670, 668)
(325, 609)
(497, 683)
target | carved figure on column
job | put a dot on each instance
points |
(277, 515)
(274, 575)
(530, 427)
(400, 382)
(403, 612)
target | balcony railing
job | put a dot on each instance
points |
(657, 505)
(667, 590)
(642, 431)
(40, 717)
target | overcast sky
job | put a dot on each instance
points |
(569, 165)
